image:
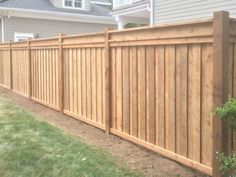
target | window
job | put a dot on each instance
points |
(68, 3)
(78, 3)
(73, 3)
(24, 36)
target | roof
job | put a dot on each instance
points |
(46, 5)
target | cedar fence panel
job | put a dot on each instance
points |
(5, 75)
(154, 86)
(20, 71)
(162, 90)
(84, 78)
(44, 66)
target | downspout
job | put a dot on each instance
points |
(3, 29)
(151, 12)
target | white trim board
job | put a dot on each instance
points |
(101, 3)
(15, 12)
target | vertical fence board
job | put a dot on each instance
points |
(80, 82)
(206, 104)
(141, 92)
(170, 98)
(126, 88)
(133, 92)
(114, 88)
(88, 84)
(181, 100)
(194, 92)
(160, 95)
(94, 84)
(99, 86)
(150, 92)
(119, 89)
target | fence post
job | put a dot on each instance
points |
(108, 100)
(10, 56)
(220, 81)
(29, 71)
(61, 75)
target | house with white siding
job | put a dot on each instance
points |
(132, 11)
(23, 19)
(157, 12)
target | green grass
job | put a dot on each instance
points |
(32, 148)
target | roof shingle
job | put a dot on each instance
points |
(46, 5)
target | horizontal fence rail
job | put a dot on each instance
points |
(154, 86)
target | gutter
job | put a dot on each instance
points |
(101, 3)
(58, 16)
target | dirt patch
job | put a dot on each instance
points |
(147, 162)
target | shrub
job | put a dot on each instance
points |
(228, 163)
(228, 113)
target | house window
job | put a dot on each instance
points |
(73, 3)
(23, 36)
(68, 3)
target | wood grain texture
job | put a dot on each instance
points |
(194, 108)
(170, 88)
(157, 84)
(160, 95)
(182, 100)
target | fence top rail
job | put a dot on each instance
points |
(168, 25)
(43, 39)
(82, 35)
(5, 45)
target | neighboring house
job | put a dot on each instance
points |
(169, 11)
(23, 19)
(157, 12)
(132, 11)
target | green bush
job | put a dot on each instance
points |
(228, 163)
(228, 112)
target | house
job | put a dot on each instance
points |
(23, 19)
(169, 11)
(158, 12)
(132, 11)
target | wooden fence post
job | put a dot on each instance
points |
(220, 81)
(108, 100)
(29, 71)
(61, 75)
(11, 77)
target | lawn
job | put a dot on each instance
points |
(32, 148)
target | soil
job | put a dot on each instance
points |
(149, 163)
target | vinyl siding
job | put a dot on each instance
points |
(48, 28)
(168, 11)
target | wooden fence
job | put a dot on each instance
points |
(154, 86)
